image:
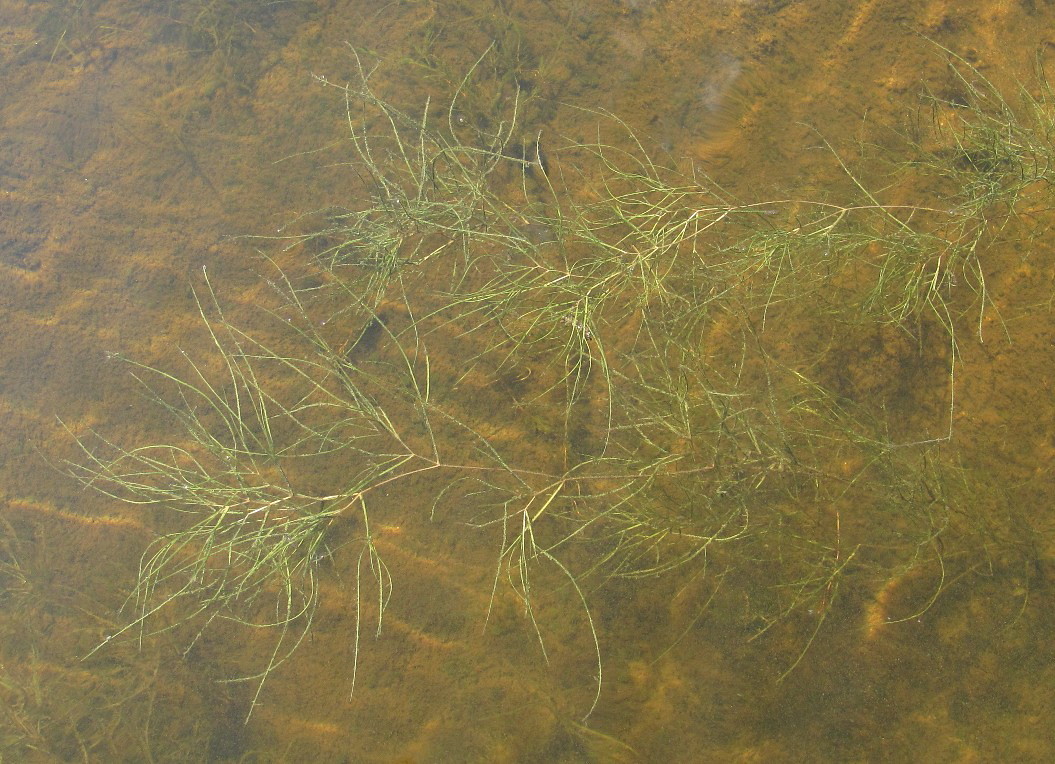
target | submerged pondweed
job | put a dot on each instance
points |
(612, 368)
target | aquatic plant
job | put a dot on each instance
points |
(599, 361)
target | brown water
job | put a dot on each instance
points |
(138, 139)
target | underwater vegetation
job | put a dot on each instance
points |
(608, 366)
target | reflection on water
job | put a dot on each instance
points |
(137, 143)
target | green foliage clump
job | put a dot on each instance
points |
(613, 366)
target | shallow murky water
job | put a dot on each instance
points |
(141, 143)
